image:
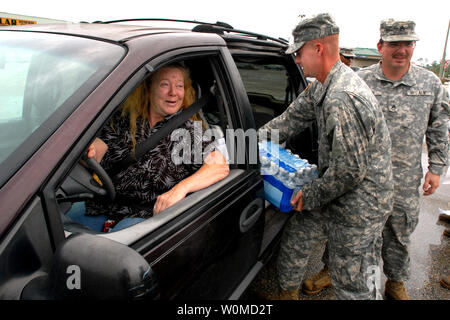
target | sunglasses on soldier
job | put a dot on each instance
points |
(399, 44)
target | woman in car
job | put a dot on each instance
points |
(155, 181)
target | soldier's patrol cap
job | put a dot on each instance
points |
(347, 52)
(319, 26)
(391, 30)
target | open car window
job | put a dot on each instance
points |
(213, 120)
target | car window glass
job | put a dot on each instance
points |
(38, 73)
(267, 79)
(13, 76)
(211, 122)
(268, 88)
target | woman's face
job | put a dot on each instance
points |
(167, 92)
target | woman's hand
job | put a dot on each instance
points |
(214, 169)
(165, 200)
(97, 150)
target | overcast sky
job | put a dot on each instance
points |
(358, 20)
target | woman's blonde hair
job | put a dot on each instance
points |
(138, 104)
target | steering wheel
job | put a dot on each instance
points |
(86, 180)
(106, 187)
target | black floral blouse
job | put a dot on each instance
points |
(155, 173)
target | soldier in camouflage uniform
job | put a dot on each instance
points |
(412, 102)
(347, 55)
(350, 201)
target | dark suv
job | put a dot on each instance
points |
(60, 84)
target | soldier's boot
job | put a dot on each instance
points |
(396, 290)
(278, 294)
(444, 217)
(317, 282)
(446, 232)
(445, 282)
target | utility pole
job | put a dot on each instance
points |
(441, 71)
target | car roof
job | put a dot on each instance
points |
(116, 32)
(110, 32)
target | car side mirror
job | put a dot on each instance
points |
(91, 267)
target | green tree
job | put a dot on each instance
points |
(436, 67)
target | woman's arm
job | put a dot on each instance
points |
(214, 169)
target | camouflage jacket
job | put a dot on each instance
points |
(413, 108)
(355, 175)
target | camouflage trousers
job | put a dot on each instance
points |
(399, 226)
(353, 254)
(397, 231)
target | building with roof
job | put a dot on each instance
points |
(365, 57)
(12, 19)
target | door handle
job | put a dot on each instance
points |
(251, 214)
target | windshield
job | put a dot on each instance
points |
(42, 74)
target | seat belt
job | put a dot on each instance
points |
(151, 142)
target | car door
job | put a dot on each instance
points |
(204, 246)
(209, 248)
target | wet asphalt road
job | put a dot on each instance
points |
(429, 249)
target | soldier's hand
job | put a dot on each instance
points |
(297, 202)
(431, 183)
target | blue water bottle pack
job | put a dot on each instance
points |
(283, 173)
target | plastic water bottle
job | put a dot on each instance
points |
(291, 182)
(265, 162)
(314, 171)
(280, 175)
(303, 178)
(222, 147)
(273, 168)
(288, 169)
(298, 162)
(285, 177)
(294, 184)
(262, 146)
(307, 175)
